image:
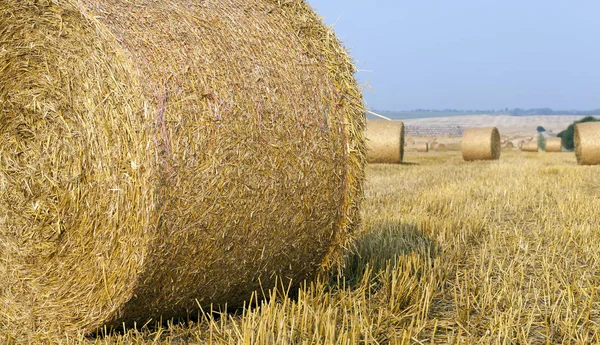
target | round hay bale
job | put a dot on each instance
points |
(521, 144)
(385, 141)
(553, 144)
(423, 147)
(510, 145)
(481, 144)
(587, 143)
(531, 146)
(440, 147)
(160, 156)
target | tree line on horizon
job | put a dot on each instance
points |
(505, 111)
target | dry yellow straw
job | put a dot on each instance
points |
(587, 143)
(385, 141)
(160, 155)
(553, 144)
(481, 144)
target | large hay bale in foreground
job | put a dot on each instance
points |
(481, 144)
(156, 155)
(423, 147)
(385, 141)
(587, 143)
(553, 144)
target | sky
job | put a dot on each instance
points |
(471, 54)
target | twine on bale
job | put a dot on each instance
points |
(587, 143)
(385, 141)
(481, 144)
(160, 155)
(423, 147)
(553, 144)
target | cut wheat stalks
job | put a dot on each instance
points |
(587, 143)
(385, 141)
(160, 156)
(481, 144)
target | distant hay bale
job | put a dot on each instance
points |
(510, 145)
(553, 144)
(423, 147)
(587, 143)
(531, 146)
(521, 144)
(157, 155)
(481, 144)
(440, 147)
(385, 141)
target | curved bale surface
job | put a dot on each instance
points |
(481, 144)
(587, 143)
(156, 155)
(553, 144)
(385, 141)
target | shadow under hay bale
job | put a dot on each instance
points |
(587, 143)
(423, 147)
(162, 156)
(553, 144)
(385, 141)
(481, 144)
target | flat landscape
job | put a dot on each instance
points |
(505, 123)
(451, 252)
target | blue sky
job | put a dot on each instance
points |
(472, 54)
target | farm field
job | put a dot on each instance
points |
(451, 252)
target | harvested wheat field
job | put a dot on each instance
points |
(450, 252)
(157, 157)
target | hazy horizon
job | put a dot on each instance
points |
(469, 54)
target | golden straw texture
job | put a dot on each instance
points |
(423, 147)
(385, 141)
(553, 144)
(587, 143)
(157, 155)
(481, 144)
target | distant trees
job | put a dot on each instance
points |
(568, 134)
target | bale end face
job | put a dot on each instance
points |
(481, 144)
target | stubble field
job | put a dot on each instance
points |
(451, 252)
